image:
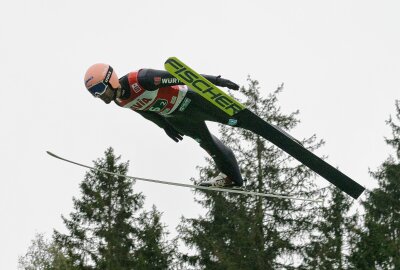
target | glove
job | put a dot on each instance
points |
(173, 133)
(226, 83)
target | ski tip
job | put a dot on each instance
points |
(51, 154)
(172, 58)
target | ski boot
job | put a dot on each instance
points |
(220, 181)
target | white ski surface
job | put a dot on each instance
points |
(229, 190)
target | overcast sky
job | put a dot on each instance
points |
(339, 60)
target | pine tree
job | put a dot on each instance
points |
(242, 232)
(330, 235)
(104, 231)
(377, 245)
(43, 254)
(153, 251)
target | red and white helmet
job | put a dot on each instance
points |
(98, 77)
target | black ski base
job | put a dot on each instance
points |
(248, 120)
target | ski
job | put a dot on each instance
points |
(292, 146)
(250, 121)
(203, 86)
(228, 190)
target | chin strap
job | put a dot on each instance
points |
(120, 93)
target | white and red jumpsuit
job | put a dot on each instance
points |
(164, 100)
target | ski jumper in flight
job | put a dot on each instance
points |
(161, 98)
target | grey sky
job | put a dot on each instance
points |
(339, 61)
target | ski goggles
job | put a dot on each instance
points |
(99, 88)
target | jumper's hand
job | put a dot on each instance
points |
(173, 133)
(226, 83)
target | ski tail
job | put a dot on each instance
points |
(252, 122)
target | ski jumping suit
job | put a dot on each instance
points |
(166, 101)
